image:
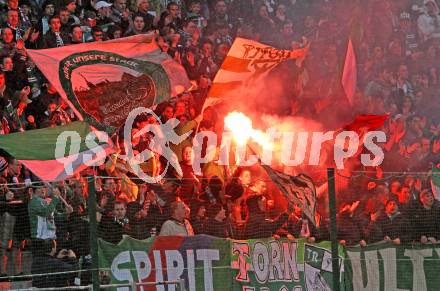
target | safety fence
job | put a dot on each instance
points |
(360, 233)
(133, 286)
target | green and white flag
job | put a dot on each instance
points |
(104, 81)
(54, 154)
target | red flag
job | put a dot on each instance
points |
(349, 76)
(368, 121)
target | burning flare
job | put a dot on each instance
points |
(241, 127)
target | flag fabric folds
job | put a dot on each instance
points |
(299, 190)
(43, 151)
(367, 121)
(349, 75)
(362, 124)
(248, 62)
(103, 81)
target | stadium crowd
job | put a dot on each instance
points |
(397, 43)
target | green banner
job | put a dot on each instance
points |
(203, 261)
(384, 267)
(210, 263)
(268, 264)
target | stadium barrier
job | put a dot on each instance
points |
(409, 266)
(129, 287)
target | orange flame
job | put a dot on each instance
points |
(241, 128)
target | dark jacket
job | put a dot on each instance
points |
(235, 189)
(189, 187)
(294, 226)
(217, 228)
(394, 227)
(7, 96)
(47, 264)
(349, 228)
(257, 226)
(427, 222)
(111, 230)
(192, 71)
(50, 40)
(199, 225)
(141, 226)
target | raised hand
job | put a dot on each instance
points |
(27, 33)
(69, 209)
(34, 36)
(25, 91)
(373, 216)
(56, 192)
(20, 44)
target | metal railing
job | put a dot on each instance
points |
(131, 286)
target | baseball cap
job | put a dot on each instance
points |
(102, 4)
(90, 15)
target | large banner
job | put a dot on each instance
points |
(104, 81)
(210, 263)
(386, 267)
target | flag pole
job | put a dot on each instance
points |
(333, 228)
(93, 232)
